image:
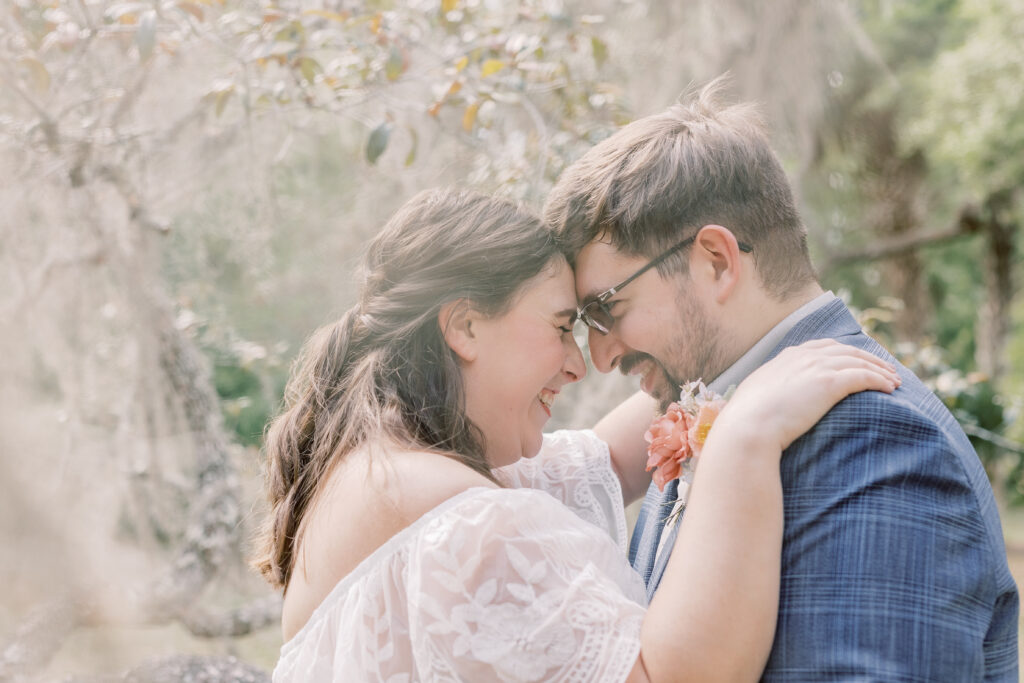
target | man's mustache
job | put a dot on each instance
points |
(634, 359)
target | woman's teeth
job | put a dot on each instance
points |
(547, 398)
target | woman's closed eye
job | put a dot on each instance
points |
(565, 321)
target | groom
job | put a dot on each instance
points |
(691, 262)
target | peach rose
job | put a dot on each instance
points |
(701, 425)
(669, 444)
(667, 472)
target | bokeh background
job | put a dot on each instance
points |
(187, 185)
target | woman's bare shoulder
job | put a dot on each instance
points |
(367, 500)
(381, 492)
(421, 481)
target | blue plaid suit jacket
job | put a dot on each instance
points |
(893, 563)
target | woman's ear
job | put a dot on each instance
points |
(457, 319)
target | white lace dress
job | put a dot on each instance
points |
(521, 584)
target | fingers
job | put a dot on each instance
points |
(845, 369)
(828, 354)
(853, 379)
(850, 361)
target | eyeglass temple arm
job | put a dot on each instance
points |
(743, 246)
(611, 292)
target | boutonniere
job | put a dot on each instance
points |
(676, 438)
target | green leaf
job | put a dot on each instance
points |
(378, 142)
(294, 32)
(469, 116)
(411, 156)
(39, 76)
(309, 68)
(145, 36)
(600, 50)
(221, 101)
(395, 64)
(491, 66)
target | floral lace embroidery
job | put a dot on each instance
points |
(575, 467)
(495, 584)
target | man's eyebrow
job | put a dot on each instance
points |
(591, 296)
(567, 313)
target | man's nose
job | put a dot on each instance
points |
(605, 350)
(575, 368)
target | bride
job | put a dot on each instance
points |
(424, 529)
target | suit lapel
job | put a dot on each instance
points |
(662, 560)
(656, 508)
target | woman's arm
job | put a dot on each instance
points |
(623, 430)
(713, 617)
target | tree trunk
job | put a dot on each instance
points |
(993, 331)
(894, 191)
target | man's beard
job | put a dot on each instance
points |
(666, 389)
(695, 352)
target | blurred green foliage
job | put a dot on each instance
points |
(927, 125)
(249, 398)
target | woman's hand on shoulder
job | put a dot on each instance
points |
(787, 396)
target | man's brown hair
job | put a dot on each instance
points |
(661, 178)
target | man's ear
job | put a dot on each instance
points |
(457, 319)
(716, 256)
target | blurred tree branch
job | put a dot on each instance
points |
(992, 220)
(39, 278)
(968, 223)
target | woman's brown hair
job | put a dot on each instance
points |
(384, 371)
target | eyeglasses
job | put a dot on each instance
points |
(597, 314)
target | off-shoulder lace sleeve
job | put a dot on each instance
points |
(575, 467)
(515, 588)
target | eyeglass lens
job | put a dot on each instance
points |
(597, 315)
